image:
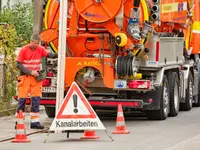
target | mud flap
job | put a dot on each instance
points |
(154, 95)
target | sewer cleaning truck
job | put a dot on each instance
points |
(143, 54)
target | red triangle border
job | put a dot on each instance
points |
(84, 100)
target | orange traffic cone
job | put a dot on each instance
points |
(20, 136)
(120, 122)
(89, 134)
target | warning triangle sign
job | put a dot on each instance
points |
(76, 113)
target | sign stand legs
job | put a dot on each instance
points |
(109, 136)
(47, 136)
(69, 132)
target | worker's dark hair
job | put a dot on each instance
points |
(35, 36)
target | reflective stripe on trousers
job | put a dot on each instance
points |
(34, 117)
(35, 109)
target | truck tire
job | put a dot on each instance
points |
(174, 85)
(163, 112)
(197, 104)
(50, 111)
(197, 97)
(187, 106)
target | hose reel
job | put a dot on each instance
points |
(98, 11)
(126, 66)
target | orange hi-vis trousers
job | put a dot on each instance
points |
(27, 84)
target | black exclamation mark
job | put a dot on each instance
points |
(75, 98)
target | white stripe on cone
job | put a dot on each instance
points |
(20, 121)
(20, 131)
(122, 123)
(120, 114)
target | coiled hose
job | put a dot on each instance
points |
(125, 66)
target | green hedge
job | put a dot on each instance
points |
(8, 37)
(16, 32)
(21, 16)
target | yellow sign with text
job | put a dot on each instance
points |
(166, 8)
(89, 63)
(174, 11)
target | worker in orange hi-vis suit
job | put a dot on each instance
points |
(29, 63)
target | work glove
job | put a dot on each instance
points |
(42, 75)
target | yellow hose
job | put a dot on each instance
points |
(46, 23)
(146, 18)
(145, 10)
(46, 14)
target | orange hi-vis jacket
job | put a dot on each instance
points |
(31, 59)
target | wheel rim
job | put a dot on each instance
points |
(176, 97)
(165, 100)
(190, 94)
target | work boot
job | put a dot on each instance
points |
(36, 125)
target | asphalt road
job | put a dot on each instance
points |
(175, 133)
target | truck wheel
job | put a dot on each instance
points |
(163, 112)
(197, 104)
(197, 97)
(50, 111)
(189, 95)
(174, 94)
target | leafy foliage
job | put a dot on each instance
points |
(21, 16)
(16, 32)
(8, 36)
